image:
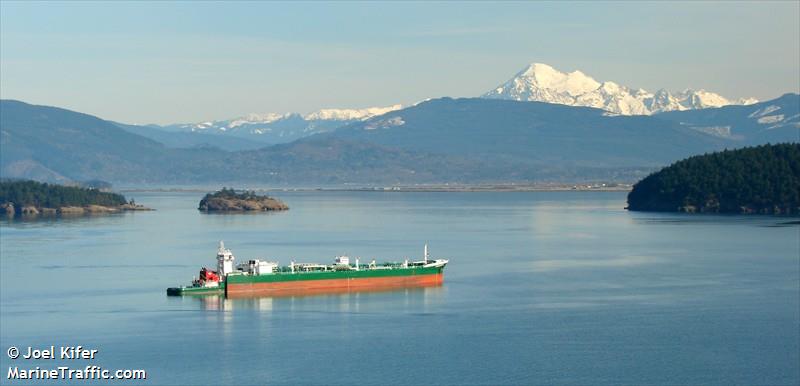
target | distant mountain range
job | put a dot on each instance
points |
(257, 130)
(543, 135)
(537, 82)
(192, 140)
(437, 141)
(57, 145)
(542, 83)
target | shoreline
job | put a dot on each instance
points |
(33, 211)
(401, 188)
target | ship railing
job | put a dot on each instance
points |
(311, 268)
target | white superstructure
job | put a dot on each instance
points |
(225, 260)
(259, 267)
(342, 260)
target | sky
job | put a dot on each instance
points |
(170, 62)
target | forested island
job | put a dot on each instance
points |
(228, 200)
(763, 179)
(22, 197)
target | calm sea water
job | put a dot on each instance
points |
(542, 288)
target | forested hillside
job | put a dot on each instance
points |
(42, 195)
(762, 179)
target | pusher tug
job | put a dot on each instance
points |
(266, 278)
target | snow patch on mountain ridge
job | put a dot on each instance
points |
(350, 114)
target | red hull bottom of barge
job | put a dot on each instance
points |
(317, 287)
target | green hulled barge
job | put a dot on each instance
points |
(266, 278)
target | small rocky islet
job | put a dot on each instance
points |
(228, 200)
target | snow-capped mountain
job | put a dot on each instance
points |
(271, 128)
(543, 83)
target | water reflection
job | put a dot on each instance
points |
(343, 301)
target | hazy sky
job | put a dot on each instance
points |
(191, 61)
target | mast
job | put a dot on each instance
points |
(425, 259)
